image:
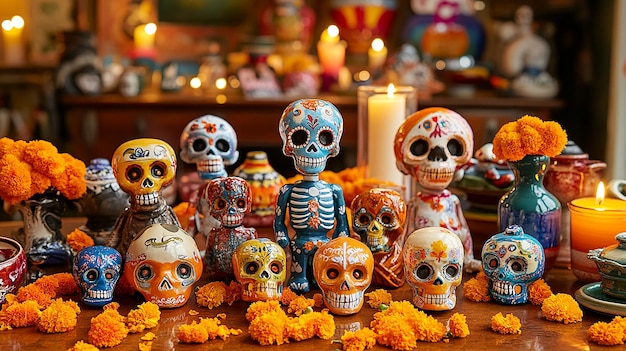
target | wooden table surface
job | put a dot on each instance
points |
(537, 332)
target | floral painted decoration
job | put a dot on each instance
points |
(529, 135)
(29, 168)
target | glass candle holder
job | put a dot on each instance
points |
(593, 226)
(381, 111)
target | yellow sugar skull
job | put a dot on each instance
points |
(260, 267)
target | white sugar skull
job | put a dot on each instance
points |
(163, 263)
(433, 266)
(96, 270)
(260, 268)
(512, 260)
(211, 143)
(431, 145)
(343, 268)
(143, 167)
(311, 130)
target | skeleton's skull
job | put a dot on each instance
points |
(260, 268)
(311, 130)
(433, 265)
(431, 145)
(228, 200)
(143, 167)
(343, 269)
(211, 143)
(96, 270)
(163, 263)
(378, 217)
(512, 260)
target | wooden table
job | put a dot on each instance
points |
(537, 333)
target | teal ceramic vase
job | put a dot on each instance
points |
(532, 207)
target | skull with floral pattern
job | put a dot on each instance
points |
(96, 270)
(260, 267)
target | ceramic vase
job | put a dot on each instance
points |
(529, 205)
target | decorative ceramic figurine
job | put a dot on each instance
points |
(378, 217)
(260, 267)
(12, 266)
(142, 168)
(431, 146)
(163, 263)
(408, 69)
(433, 263)
(311, 130)
(80, 69)
(611, 262)
(343, 269)
(228, 201)
(264, 183)
(96, 270)
(103, 202)
(512, 260)
(210, 143)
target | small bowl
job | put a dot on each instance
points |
(611, 262)
(12, 266)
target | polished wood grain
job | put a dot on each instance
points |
(537, 332)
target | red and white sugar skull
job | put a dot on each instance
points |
(228, 199)
(431, 145)
(143, 167)
(260, 267)
(163, 263)
(433, 266)
(343, 269)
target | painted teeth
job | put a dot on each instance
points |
(147, 199)
(270, 288)
(210, 166)
(344, 301)
(99, 294)
(310, 161)
(503, 288)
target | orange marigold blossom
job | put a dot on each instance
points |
(34, 292)
(211, 295)
(402, 316)
(269, 328)
(59, 317)
(21, 314)
(82, 346)
(260, 307)
(529, 135)
(538, 291)
(508, 324)
(66, 283)
(362, 339)
(79, 240)
(287, 296)
(378, 297)
(207, 328)
(603, 333)
(298, 305)
(561, 308)
(457, 325)
(145, 316)
(107, 328)
(48, 284)
(319, 300)
(233, 292)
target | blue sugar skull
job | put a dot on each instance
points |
(311, 130)
(512, 260)
(96, 270)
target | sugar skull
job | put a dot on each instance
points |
(343, 269)
(260, 267)
(311, 130)
(96, 270)
(163, 263)
(431, 145)
(211, 143)
(433, 265)
(143, 167)
(512, 260)
(228, 200)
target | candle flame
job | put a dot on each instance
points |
(378, 45)
(7, 25)
(17, 21)
(150, 28)
(333, 31)
(600, 193)
(390, 90)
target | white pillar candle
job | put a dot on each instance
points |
(385, 112)
(13, 45)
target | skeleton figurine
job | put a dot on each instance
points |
(229, 200)
(311, 130)
(378, 217)
(142, 168)
(431, 146)
(210, 143)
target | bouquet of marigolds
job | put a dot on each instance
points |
(529, 136)
(34, 167)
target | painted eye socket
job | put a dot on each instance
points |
(199, 145)
(276, 267)
(251, 267)
(358, 274)
(222, 145)
(419, 147)
(517, 265)
(452, 271)
(455, 148)
(144, 273)
(109, 274)
(325, 138)
(332, 273)
(241, 203)
(363, 219)
(493, 263)
(299, 137)
(424, 271)
(219, 204)
(134, 173)
(387, 219)
(184, 270)
(158, 170)
(91, 275)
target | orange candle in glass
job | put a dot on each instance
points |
(594, 223)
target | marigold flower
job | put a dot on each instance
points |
(457, 326)
(300, 328)
(79, 240)
(477, 289)
(538, 291)
(319, 300)
(34, 292)
(269, 328)
(82, 346)
(207, 328)
(394, 332)
(561, 308)
(48, 284)
(529, 135)
(258, 308)
(21, 314)
(233, 292)
(362, 339)
(59, 317)
(401, 325)
(287, 296)
(146, 316)
(298, 305)
(324, 324)
(377, 297)
(211, 295)
(603, 333)
(107, 328)
(66, 284)
(508, 324)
